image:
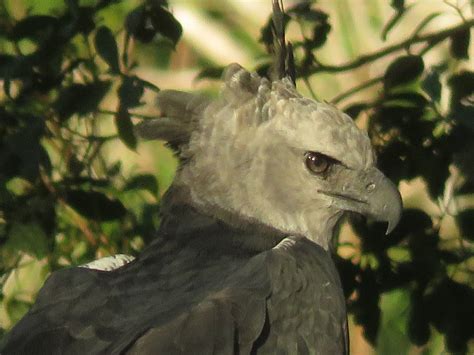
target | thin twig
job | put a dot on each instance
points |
(309, 87)
(356, 89)
(456, 8)
(90, 137)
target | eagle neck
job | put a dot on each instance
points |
(183, 219)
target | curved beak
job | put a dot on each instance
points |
(369, 193)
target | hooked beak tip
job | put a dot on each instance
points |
(394, 213)
(390, 227)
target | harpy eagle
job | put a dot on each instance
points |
(241, 262)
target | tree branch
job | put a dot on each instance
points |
(368, 58)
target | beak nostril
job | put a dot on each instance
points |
(370, 187)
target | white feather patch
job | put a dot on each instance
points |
(109, 263)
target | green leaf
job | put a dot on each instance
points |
(12, 67)
(462, 86)
(125, 129)
(83, 181)
(401, 11)
(143, 182)
(318, 20)
(23, 283)
(406, 99)
(403, 70)
(130, 92)
(34, 27)
(451, 310)
(355, 109)
(210, 73)
(393, 337)
(21, 153)
(107, 48)
(431, 84)
(95, 205)
(399, 254)
(16, 309)
(81, 99)
(147, 84)
(418, 323)
(28, 237)
(466, 223)
(462, 107)
(459, 46)
(136, 24)
(165, 24)
(319, 35)
(464, 115)
(398, 5)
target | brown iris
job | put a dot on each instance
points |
(317, 163)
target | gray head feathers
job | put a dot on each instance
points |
(179, 111)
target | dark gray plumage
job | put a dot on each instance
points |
(241, 263)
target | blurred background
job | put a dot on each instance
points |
(76, 185)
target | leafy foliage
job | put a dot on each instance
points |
(63, 203)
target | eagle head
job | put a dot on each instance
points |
(262, 153)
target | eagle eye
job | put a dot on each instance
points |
(317, 163)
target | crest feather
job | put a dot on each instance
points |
(179, 110)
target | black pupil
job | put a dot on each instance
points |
(316, 162)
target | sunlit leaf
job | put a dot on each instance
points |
(399, 254)
(393, 337)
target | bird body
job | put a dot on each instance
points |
(241, 263)
(193, 291)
